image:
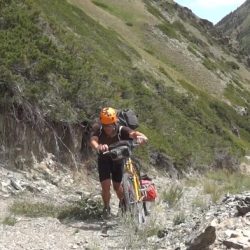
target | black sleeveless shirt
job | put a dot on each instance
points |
(121, 133)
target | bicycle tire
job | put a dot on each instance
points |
(132, 206)
(137, 166)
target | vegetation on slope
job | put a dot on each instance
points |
(61, 65)
(236, 25)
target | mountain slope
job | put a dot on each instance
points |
(61, 62)
(236, 25)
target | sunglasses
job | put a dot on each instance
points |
(109, 126)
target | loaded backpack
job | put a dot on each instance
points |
(128, 118)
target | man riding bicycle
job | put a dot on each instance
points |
(105, 134)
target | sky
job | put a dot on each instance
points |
(212, 10)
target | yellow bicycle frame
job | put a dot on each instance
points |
(129, 167)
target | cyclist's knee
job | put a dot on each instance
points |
(117, 186)
(106, 185)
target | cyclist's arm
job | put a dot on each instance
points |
(136, 135)
(94, 143)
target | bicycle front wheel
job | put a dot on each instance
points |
(133, 206)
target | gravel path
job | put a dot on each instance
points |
(166, 228)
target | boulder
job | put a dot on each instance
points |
(243, 209)
(237, 243)
(162, 161)
(202, 239)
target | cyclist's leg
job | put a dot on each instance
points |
(118, 189)
(105, 180)
(106, 192)
(117, 172)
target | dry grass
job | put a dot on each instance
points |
(192, 182)
(232, 182)
(220, 182)
(172, 195)
(135, 236)
(200, 202)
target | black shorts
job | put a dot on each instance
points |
(110, 169)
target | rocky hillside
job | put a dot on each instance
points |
(47, 208)
(236, 26)
(63, 60)
(60, 62)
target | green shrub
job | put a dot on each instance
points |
(237, 95)
(179, 218)
(230, 182)
(212, 188)
(151, 52)
(163, 71)
(192, 182)
(9, 220)
(172, 195)
(38, 209)
(232, 65)
(84, 209)
(193, 50)
(153, 10)
(209, 64)
(180, 28)
(200, 202)
(81, 210)
(129, 24)
(117, 11)
(100, 4)
(168, 29)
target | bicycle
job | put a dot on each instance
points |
(131, 181)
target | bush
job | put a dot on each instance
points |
(179, 218)
(232, 65)
(129, 24)
(210, 187)
(84, 209)
(200, 202)
(34, 209)
(100, 4)
(9, 220)
(153, 10)
(230, 182)
(172, 195)
(168, 30)
(210, 65)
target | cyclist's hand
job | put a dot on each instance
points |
(102, 148)
(141, 139)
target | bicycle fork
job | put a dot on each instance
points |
(136, 182)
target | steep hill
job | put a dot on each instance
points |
(236, 26)
(61, 61)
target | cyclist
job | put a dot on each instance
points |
(108, 132)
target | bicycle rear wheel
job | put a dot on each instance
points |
(134, 207)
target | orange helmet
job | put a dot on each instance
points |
(108, 116)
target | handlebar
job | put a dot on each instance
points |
(121, 150)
